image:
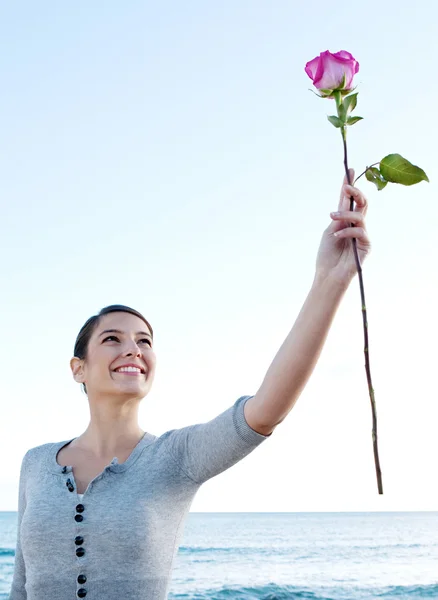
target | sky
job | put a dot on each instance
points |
(170, 156)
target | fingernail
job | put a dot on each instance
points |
(335, 214)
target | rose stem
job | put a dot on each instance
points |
(364, 314)
(365, 327)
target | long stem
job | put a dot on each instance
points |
(365, 328)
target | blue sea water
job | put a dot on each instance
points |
(282, 556)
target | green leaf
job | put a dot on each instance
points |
(375, 176)
(353, 120)
(397, 169)
(336, 121)
(346, 92)
(350, 103)
(313, 92)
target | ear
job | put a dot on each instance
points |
(76, 365)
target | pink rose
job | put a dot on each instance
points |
(327, 70)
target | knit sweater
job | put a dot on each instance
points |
(120, 540)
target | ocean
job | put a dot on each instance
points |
(279, 556)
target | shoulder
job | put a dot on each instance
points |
(42, 449)
(38, 453)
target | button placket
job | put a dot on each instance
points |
(79, 540)
(80, 551)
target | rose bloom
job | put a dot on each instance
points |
(327, 70)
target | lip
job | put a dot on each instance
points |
(143, 371)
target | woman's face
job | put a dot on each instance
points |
(119, 339)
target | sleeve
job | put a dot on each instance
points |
(18, 590)
(203, 451)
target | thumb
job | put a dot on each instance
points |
(351, 176)
(344, 201)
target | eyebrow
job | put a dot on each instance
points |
(121, 332)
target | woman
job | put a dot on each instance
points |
(101, 516)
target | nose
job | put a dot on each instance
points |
(132, 350)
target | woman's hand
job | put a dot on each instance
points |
(335, 255)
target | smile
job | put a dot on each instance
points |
(130, 373)
(130, 370)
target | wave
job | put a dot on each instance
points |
(289, 592)
(248, 550)
(411, 591)
(266, 592)
(7, 552)
(296, 552)
(233, 550)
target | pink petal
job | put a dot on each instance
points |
(330, 72)
(320, 70)
(311, 67)
(343, 54)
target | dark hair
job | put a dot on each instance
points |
(81, 344)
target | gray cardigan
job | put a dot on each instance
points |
(121, 539)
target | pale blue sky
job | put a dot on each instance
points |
(169, 156)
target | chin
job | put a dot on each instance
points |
(139, 391)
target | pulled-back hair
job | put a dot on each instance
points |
(84, 335)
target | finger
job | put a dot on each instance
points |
(351, 174)
(358, 197)
(354, 232)
(345, 182)
(350, 216)
(361, 203)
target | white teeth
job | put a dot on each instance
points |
(128, 370)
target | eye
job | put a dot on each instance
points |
(147, 340)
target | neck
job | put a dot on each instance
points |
(113, 429)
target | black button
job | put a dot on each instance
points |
(64, 470)
(79, 540)
(82, 579)
(80, 508)
(79, 518)
(82, 593)
(80, 552)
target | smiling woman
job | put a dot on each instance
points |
(131, 490)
